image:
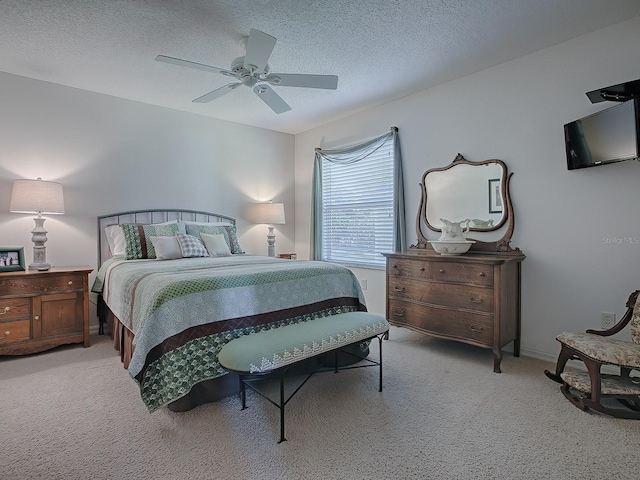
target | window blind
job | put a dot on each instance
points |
(357, 209)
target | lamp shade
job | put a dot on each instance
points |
(271, 213)
(37, 196)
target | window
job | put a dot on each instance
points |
(357, 207)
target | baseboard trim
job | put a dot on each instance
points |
(538, 355)
(576, 364)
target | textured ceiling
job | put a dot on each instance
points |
(380, 49)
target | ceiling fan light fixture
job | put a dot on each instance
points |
(249, 81)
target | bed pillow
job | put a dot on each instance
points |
(167, 248)
(191, 246)
(138, 238)
(171, 222)
(117, 243)
(216, 245)
(228, 231)
(115, 238)
(182, 225)
(187, 222)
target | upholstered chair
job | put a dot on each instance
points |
(616, 393)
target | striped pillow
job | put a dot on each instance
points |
(138, 238)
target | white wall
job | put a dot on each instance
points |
(114, 155)
(515, 112)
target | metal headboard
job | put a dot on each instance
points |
(151, 216)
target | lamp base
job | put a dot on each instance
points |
(271, 242)
(39, 238)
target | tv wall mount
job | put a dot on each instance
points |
(616, 93)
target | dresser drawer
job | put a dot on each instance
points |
(26, 285)
(450, 323)
(398, 267)
(469, 273)
(11, 332)
(13, 308)
(446, 294)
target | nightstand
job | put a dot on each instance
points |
(41, 310)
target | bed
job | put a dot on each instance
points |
(170, 315)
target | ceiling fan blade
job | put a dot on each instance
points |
(330, 82)
(271, 98)
(187, 63)
(259, 48)
(218, 92)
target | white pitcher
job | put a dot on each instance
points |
(454, 231)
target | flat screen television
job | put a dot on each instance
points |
(609, 136)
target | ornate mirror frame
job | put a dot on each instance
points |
(500, 245)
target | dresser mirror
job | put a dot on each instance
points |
(477, 191)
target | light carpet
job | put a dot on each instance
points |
(74, 413)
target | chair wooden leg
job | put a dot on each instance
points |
(566, 354)
(593, 368)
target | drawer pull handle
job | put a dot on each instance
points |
(476, 300)
(398, 313)
(476, 329)
(7, 333)
(6, 310)
(70, 283)
(482, 274)
(37, 317)
(422, 269)
(442, 270)
(398, 289)
(394, 266)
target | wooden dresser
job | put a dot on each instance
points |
(41, 310)
(472, 298)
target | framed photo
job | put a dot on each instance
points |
(495, 197)
(11, 259)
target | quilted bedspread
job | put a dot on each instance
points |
(183, 311)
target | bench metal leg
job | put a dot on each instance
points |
(380, 349)
(282, 404)
(243, 393)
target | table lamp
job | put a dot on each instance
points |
(271, 214)
(37, 196)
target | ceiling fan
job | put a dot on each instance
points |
(253, 71)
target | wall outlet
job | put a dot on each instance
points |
(363, 284)
(608, 320)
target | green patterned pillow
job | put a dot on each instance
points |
(138, 238)
(191, 246)
(228, 231)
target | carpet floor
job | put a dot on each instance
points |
(74, 413)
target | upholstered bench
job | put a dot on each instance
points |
(274, 352)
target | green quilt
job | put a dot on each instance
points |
(183, 311)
